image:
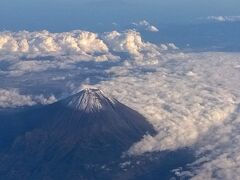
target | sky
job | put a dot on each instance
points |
(64, 15)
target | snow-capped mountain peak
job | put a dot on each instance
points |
(90, 100)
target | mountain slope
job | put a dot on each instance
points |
(71, 139)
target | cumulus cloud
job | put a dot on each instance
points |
(13, 98)
(145, 25)
(73, 46)
(224, 18)
(130, 42)
(28, 52)
(81, 42)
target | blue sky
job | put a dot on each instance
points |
(59, 15)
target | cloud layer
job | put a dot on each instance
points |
(218, 152)
(176, 97)
(192, 99)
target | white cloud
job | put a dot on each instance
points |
(28, 52)
(46, 43)
(58, 78)
(218, 151)
(40, 99)
(145, 25)
(130, 42)
(13, 98)
(173, 46)
(183, 107)
(224, 18)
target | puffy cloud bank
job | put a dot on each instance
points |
(80, 42)
(66, 49)
(192, 99)
(27, 52)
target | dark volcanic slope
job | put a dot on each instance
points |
(70, 139)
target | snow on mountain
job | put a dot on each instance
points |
(89, 100)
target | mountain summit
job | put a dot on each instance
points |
(90, 100)
(70, 139)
